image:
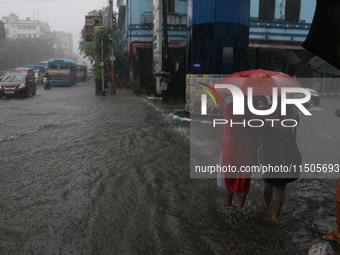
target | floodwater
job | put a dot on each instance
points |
(86, 174)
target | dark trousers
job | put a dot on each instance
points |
(165, 96)
(98, 84)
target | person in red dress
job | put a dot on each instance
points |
(238, 148)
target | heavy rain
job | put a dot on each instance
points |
(101, 161)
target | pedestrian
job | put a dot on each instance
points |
(278, 148)
(164, 89)
(97, 80)
(335, 234)
(238, 148)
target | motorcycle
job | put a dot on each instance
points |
(46, 83)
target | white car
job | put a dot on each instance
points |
(314, 100)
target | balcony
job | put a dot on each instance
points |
(177, 19)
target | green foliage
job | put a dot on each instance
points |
(93, 50)
(2, 31)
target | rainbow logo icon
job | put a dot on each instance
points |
(209, 90)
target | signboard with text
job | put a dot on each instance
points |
(91, 22)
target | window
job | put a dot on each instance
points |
(64, 67)
(266, 10)
(292, 12)
(53, 66)
(171, 5)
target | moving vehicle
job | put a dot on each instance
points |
(62, 72)
(17, 84)
(27, 71)
(39, 72)
(44, 64)
(82, 73)
(46, 83)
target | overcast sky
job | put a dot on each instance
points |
(64, 15)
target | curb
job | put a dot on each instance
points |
(182, 119)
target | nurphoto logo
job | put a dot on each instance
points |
(239, 104)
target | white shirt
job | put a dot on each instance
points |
(164, 85)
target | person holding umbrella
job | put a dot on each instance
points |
(164, 88)
(276, 143)
(273, 139)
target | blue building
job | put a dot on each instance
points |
(218, 36)
(136, 22)
(228, 35)
(277, 29)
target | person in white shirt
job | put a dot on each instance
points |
(164, 89)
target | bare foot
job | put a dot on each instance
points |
(230, 207)
(276, 221)
(266, 207)
(333, 236)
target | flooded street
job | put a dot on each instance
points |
(86, 174)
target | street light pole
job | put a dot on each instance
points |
(165, 36)
(112, 26)
(102, 62)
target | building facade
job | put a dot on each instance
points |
(272, 33)
(64, 41)
(136, 22)
(277, 30)
(218, 36)
(16, 28)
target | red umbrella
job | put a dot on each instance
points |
(262, 81)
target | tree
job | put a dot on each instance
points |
(20, 52)
(92, 50)
(2, 31)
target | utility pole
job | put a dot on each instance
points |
(158, 48)
(102, 53)
(112, 26)
(102, 62)
(165, 57)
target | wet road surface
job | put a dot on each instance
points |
(85, 174)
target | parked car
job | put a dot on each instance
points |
(1, 75)
(28, 71)
(315, 98)
(17, 84)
